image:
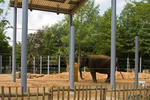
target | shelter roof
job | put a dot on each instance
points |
(58, 6)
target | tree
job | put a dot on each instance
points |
(134, 20)
(4, 45)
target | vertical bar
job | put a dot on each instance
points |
(68, 93)
(2, 92)
(136, 61)
(37, 95)
(58, 94)
(52, 93)
(90, 93)
(0, 64)
(28, 93)
(71, 57)
(9, 64)
(75, 93)
(84, 69)
(113, 44)
(101, 92)
(86, 95)
(119, 92)
(24, 45)
(79, 93)
(22, 93)
(14, 46)
(59, 64)
(43, 93)
(140, 64)
(9, 97)
(82, 92)
(63, 93)
(16, 93)
(96, 93)
(128, 64)
(70, 24)
(40, 64)
(48, 66)
(33, 65)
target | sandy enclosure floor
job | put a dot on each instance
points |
(59, 80)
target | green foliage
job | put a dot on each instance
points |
(4, 45)
(93, 33)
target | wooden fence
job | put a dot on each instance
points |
(122, 92)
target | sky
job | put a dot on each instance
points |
(38, 19)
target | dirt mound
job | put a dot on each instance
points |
(62, 79)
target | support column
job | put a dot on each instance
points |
(48, 66)
(136, 61)
(70, 24)
(9, 64)
(59, 64)
(33, 65)
(24, 45)
(128, 64)
(113, 43)
(14, 46)
(71, 56)
(0, 64)
(40, 64)
(140, 64)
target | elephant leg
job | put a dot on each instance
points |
(93, 74)
(108, 78)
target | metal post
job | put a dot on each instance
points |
(59, 64)
(140, 64)
(33, 65)
(70, 24)
(136, 61)
(48, 66)
(84, 69)
(113, 44)
(128, 64)
(14, 46)
(24, 45)
(71, 57)
(0, 64)
(9, 64)
(40, 64)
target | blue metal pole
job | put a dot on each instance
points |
(136, 61)
(24, 45)
(71, 56)
(113, 44)
(14, 46)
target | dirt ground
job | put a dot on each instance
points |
(57, 80)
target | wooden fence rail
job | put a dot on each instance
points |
(121, 92)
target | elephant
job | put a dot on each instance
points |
(95, 63)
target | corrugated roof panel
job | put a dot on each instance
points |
(58, 6)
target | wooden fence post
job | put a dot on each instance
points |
(43, 93)
(2, 91)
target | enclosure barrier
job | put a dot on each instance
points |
(121, 92)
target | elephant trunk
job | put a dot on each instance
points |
(80, 70)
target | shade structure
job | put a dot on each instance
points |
(57, 6)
